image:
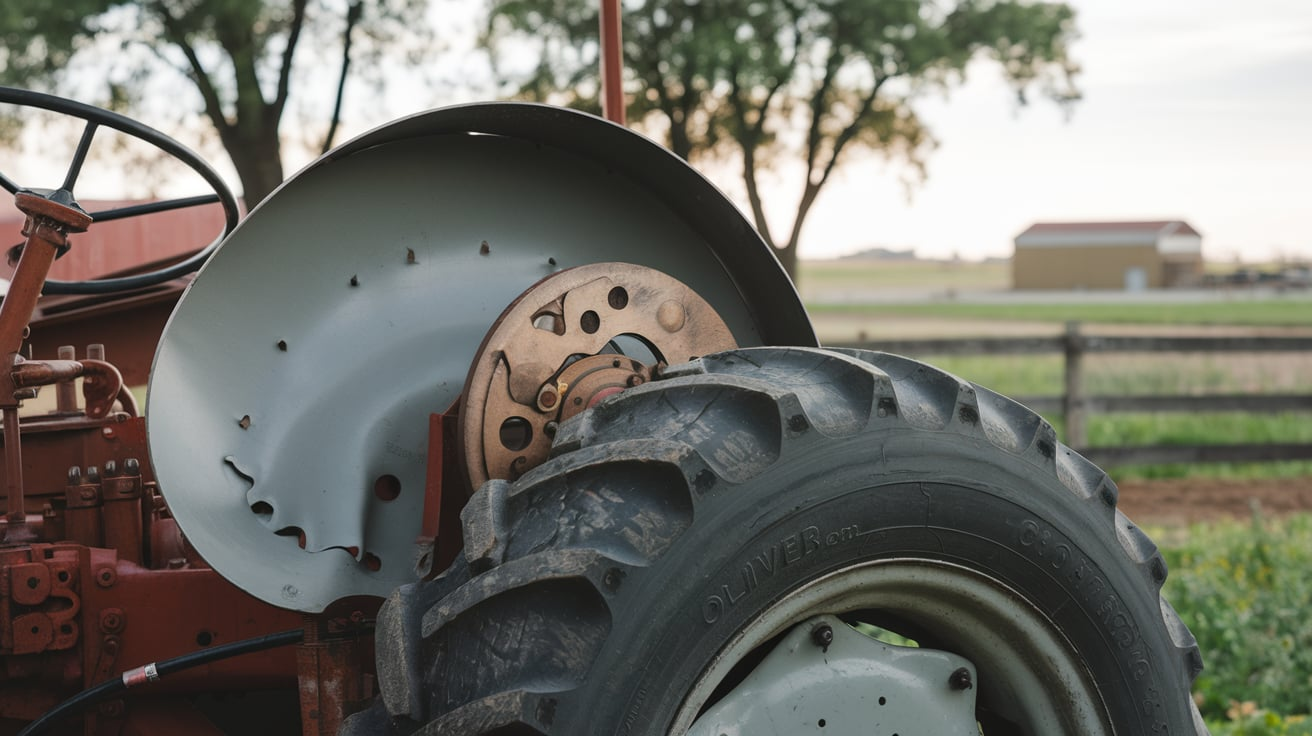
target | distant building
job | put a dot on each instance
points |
(1108, 255)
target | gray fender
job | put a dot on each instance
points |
(303, 362)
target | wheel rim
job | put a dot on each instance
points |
(1029, 673)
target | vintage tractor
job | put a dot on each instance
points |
(531, 380)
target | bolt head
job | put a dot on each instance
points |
(822, 635)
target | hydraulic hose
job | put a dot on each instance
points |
(156, 670)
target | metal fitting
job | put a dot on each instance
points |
(823, 636)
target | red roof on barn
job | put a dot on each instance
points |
(1173, 227)
(116, 246)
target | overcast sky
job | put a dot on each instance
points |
(1198, 110)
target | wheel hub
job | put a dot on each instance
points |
(825, 678)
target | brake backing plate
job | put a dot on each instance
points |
(568, 342)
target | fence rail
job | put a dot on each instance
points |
(1075, 406)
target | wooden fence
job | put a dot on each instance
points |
(1076, 406)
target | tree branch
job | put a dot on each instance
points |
(353, 13)
(851, 131)
(285, 73)
(813, 136)
(209, 94)
(748, 138)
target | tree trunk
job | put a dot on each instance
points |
(257, 156)
(787, 256)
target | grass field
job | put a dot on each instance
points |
(1295, 310)
(885, 290)
(935, 299)
(820, 277)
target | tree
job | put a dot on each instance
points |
(816, 79)
(239, 55)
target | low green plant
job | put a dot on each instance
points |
(1261, 723)
(1244, 591)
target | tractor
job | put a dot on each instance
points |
(501, 420)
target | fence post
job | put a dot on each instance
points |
(1073, 401)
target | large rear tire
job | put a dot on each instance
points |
(682, 526)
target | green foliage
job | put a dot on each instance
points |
(1244, 591)
(749, 75)
(1261, 723)
(237, 54)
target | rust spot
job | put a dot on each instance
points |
(355, 280)
(282, 345)
(484, 248)
(410, 257)
(244, 422)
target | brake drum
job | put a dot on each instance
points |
(289, 403)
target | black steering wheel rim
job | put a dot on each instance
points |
(96, 117)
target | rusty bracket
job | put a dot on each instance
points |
(42, 603)
(101, 381)
(441, 536)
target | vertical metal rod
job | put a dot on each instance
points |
(66, 391)
(16, 515)
(612, 62)
(20, 301)
(79, 156)
(1073, 407)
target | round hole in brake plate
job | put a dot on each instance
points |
(618, 298)
(590, 322)
(516, 433)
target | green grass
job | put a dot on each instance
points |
(1244, 591)
(1140, 375)
(1042, 375)
(1277, 312)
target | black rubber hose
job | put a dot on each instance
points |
(154, 671)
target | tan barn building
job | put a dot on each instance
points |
(1107, 255)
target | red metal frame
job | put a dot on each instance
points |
(612, 62)
(95, 576)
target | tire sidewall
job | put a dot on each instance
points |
(828, 504)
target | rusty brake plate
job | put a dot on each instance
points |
(567, 342)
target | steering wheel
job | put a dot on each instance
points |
(96, 117)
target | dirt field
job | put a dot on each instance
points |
(1187, 501)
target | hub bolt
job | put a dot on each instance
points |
(823, 636)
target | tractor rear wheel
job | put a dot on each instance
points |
(684, 527)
